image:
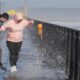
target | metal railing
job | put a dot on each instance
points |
(60, 48)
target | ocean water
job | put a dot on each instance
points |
(68, 17)
(54, 14)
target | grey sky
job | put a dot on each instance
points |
(42, 3)
(55, 3)
(12, 3)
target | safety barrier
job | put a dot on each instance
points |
(60, 48)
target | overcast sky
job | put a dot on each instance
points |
(42, 3)
(55, 3)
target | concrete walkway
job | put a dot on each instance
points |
(30, 66)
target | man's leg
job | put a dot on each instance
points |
(18, 47)
(11, 47)
(1, 66)
(0, 57)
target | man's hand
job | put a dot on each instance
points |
(2, 28)
(31, 22)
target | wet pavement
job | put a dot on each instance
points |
(30, 65)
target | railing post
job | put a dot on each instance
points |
(68, 50)
(77, 57)
(72, 55)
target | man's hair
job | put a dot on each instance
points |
(5, 15)
(0, 15)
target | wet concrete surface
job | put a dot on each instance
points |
(30, 65)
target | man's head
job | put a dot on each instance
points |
(5, 17)
(18, 17)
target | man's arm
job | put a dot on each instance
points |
(30, 23)
(2, 28)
